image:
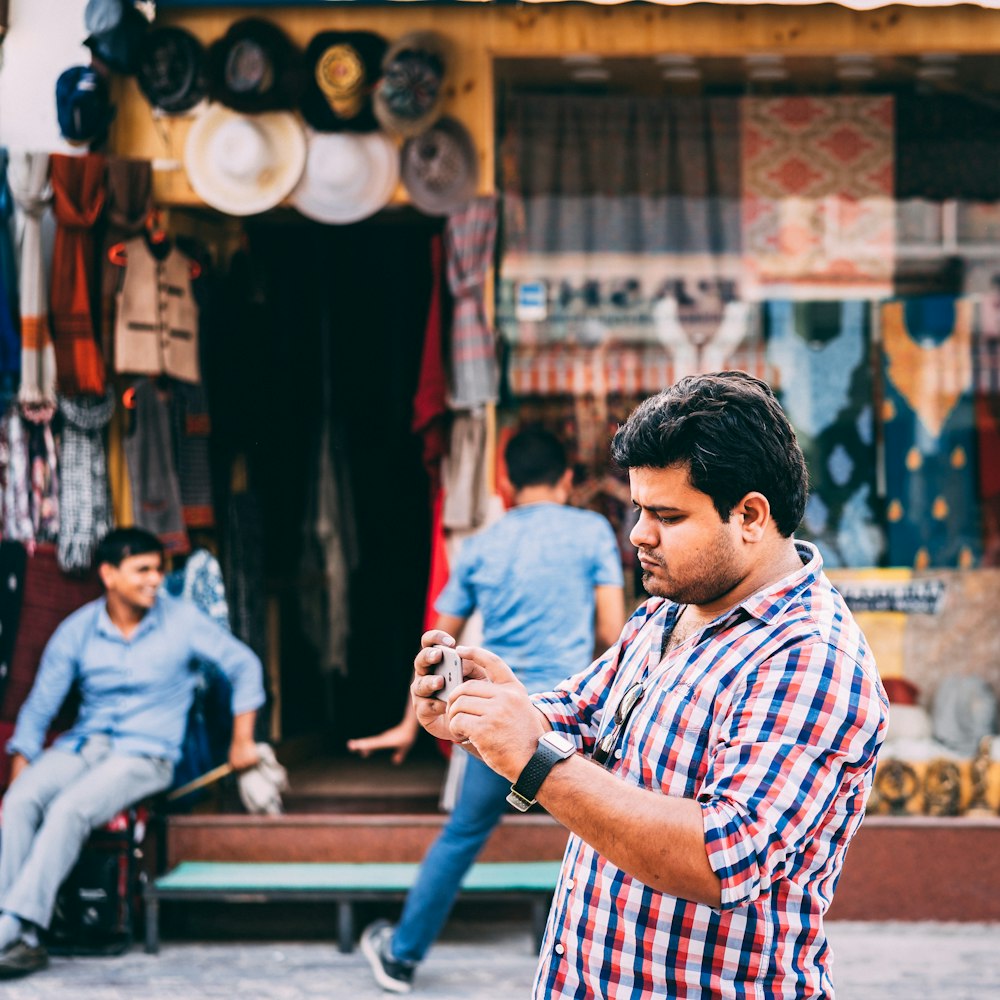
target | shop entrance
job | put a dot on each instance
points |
(325, 354)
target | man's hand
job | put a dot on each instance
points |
(243, 754)
(430, 711)
(495, 714)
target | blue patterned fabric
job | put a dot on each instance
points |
(820, 354)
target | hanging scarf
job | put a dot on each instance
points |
(469, 239)
(10, 337)
(78, 198)
(156, 495)
(14, 462)
(84, 508)
(28, 175)
(43, 479)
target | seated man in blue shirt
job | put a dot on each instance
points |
(130, 654)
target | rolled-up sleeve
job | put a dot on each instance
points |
(235, 659)
(805, 731)
(56, 674)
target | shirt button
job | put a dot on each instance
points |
(570, 883)
(559, 949)
(618, 755)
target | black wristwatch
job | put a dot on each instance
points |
(552, 748)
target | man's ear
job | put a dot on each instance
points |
(107, 574)
(566, 481)
(754, 512)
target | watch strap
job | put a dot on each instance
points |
(523, 791)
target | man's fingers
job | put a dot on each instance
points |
(436, 637)
(491, 665)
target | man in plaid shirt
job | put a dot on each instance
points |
(714, 764)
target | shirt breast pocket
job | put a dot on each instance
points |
(686, 719)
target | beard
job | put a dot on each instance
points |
(706, 581)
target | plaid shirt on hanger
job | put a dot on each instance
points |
(771, 717)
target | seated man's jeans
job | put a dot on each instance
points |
(51, 810)
(481, 802)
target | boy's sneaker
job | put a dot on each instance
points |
(391, 974)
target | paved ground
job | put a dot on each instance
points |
(484, 961)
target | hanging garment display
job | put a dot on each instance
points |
(430, 402)
(13, 558)
(149, 450)
(156, 323)
(243, 555)
(192, 425)
(28, 174)
(10, 337)
(84, 504)
(17, 524)
(49, 597)
(470, 236)
(932, 512)
(463, 473)
(817, 198)
(78, 199)
(820, 353)
(119, 486)
(127, 212)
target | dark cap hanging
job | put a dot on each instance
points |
(341, 69)
(171, 71)
(255, 67)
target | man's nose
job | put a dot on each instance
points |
(643, 534)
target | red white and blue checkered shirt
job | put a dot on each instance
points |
(771, 717)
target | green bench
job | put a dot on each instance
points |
(342, 883)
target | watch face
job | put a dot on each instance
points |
(560, 742)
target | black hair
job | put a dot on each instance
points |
(122, 543)
(730, 431)
(535, 457)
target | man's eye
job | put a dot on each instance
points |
(668, 519)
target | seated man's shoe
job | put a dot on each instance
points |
(21, 959)
(390, 974)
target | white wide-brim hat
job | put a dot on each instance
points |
(244, 164)
(347, 177)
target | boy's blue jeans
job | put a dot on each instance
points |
(481, 802)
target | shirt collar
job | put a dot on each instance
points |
(107, 628)
(768, 604)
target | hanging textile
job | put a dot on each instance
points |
(932, 512)
(78, 199)
(28, 174)
(817, 196)
(84, 504)
(192, 426)
(820, 353)
(604, 255)
(470, 237)
(464, 474)
(126, 214)
(156, 319)
(430, 402)
(118, 481)
(243, 556)
(13, 557)
(10, 337)
(149, 450)
(17, 524)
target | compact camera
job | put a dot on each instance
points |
(450, 668)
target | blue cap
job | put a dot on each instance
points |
(83, 105)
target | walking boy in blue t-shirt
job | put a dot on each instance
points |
(547, 580)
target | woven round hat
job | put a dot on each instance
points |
(440, 168)
(347, 177)
(244, 164)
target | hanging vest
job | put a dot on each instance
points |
(156, 326)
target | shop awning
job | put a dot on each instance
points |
(853, 4)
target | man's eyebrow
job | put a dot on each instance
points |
(656, 507)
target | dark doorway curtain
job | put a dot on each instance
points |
(369, 284)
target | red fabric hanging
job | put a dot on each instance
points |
(430, 402)
(78, 194)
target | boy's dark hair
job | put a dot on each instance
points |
(731, 432)
(535, 457)
(121, 543)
